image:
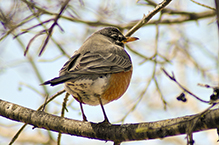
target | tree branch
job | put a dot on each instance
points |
(145, 19)
(109, 132)
(183, 19)
(53, 25)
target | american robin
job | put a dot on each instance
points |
(99, 72)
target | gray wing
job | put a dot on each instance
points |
(96, 63)
(92, 63)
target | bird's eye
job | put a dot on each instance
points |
(121, 37)
(114, 36)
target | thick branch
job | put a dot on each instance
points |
(125, 132)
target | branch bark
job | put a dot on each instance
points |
(109, 132)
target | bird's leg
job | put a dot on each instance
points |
(106, 120)
(82, 110)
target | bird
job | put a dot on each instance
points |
(99, 71)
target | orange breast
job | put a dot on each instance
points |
(119, 83)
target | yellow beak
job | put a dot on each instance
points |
(130, 39)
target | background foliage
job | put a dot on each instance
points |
(182, 38)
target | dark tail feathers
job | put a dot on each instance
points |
(57, 80)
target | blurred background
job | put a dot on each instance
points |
(183, 39)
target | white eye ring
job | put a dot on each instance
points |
(120, 37)
(114, 36)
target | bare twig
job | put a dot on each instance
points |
(191, 17)
(145, 19)
(62, 115)
(139, 54)
(53, 25)
(175, 12)
(206, 85)
(192, 124)
(217, 13)
(28, 29)
(174, 79)
(155, 62)
(31, 40)
(137, 102)
(190, 140)
(203, 5)
(22, 128)
(11, 29)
